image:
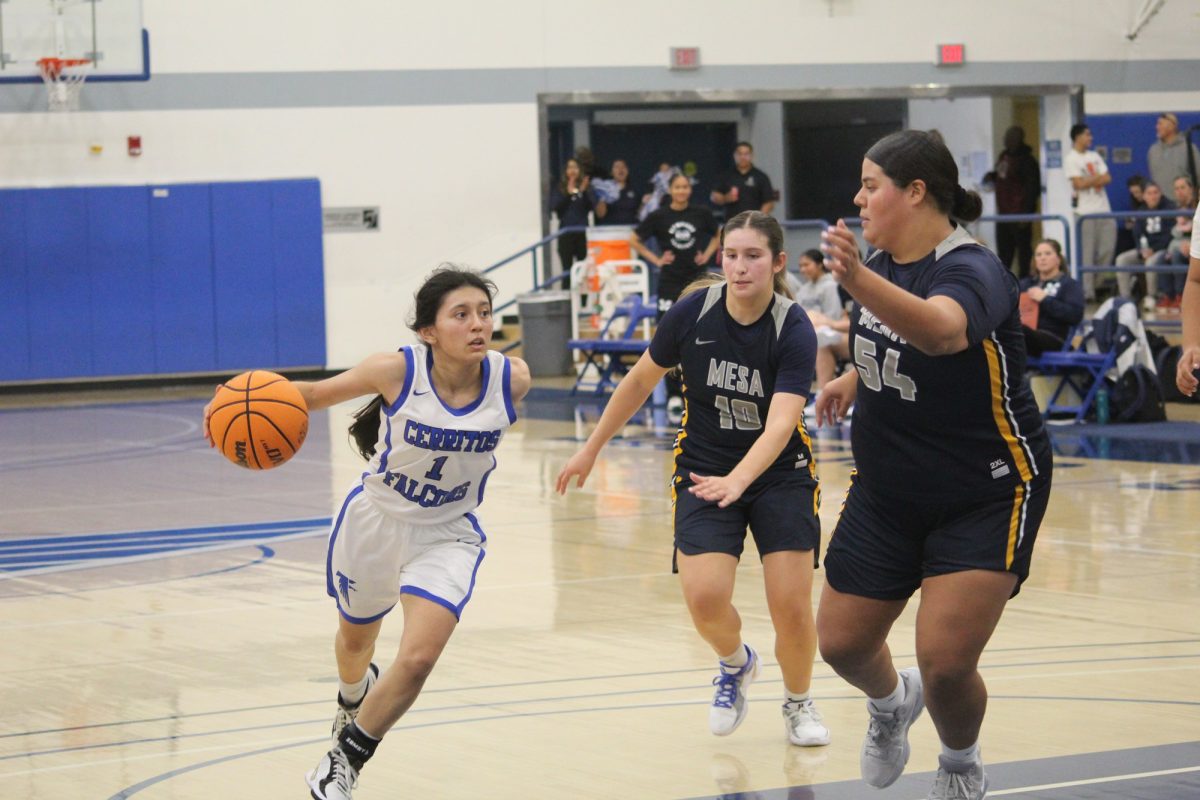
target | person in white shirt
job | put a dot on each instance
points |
(1089, 175)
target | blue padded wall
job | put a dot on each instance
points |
(1135, 131)
(299, 272)
(60, 305)
(14, 290)
(144, 280)
(122, 296)
(185, 338)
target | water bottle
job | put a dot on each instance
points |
(1102, 406)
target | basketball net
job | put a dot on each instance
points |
(64, 81)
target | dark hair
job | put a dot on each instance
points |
(677, 176)
(907, 156)
(747, 145)
(1076, 130)
(562, 181)
(1057, 248)
(816, 256)
(1137, 180)
(364, 431)
(771, 230)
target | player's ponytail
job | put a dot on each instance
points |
(364, 431)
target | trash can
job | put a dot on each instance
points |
(545, 329)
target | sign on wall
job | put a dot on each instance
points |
(351, 219)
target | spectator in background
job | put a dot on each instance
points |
(1017, 180)
(1179, 247)
(1151, 237)
(687, 236)
(817, 294)
(1059, 298)
(621, 201)
(1089, 175)
(1168, 157)
(1136, 186)
(587, 163)
(572, 199)
(745, 188)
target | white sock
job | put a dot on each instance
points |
(736, 660)
(888, 704)
(352, 693)
(795, 697)
(961, 758)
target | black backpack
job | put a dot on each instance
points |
(1136, 397)
(1167, 362)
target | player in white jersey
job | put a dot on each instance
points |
(406, 532)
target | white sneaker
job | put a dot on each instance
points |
(729, 707)
(885, 750)
(804, 724)
(1148, 304)
(333, 778)
(969, 785)
(346, 713)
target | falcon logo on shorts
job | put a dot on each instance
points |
(345, 586)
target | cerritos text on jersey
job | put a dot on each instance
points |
(428, 437)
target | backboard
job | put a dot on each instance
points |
(107, 33)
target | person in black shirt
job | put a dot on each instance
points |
(686, 234)
(953, 463)
(1059, 298)
(745, 188)
(571, 199)
(623, 210)
(743, 457)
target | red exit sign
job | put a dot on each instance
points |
(685, 58)
(951, 55)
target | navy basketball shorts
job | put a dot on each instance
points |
(780, 512)
(883, 546)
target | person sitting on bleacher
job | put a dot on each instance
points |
(1059, 298)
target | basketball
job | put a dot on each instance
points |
(258, 419)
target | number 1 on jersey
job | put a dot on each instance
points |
(435, 472)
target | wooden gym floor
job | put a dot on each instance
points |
(166, 632)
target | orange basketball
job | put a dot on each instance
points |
(258, 419)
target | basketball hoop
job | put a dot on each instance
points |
(64, 81)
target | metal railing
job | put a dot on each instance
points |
(1123, 215)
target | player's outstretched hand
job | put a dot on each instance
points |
(1186, 373)
(722, 490)
(579, 466)
(835, 399)
(841, 251)
(207, 414)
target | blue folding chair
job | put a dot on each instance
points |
(1077, 369)
(607, 355)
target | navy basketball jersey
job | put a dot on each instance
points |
(730, 372)
(432, 461)
(954, 425)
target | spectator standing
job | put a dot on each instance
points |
(1059, 298)
(1089, 175)
(686, 235)
(1151, 236)
(1168, 157)
(1017, 179)
(622, 209)
(744, 188)
(572, 199)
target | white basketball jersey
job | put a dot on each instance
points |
(432, 461)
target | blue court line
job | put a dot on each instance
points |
(34, 552)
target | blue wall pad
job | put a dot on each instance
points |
(116, 281)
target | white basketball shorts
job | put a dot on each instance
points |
(374, 558)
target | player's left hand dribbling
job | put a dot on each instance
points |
(1185, 374)
(208, 413)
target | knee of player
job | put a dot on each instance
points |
(946, 669)
(707, 603)
(416, 664)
